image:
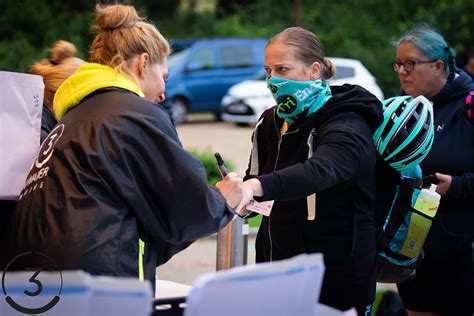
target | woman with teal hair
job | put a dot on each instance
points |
(425, 65)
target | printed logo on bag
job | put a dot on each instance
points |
(32, 292)
(286, 104)
(47, 148)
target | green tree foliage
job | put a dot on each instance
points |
(29, 27)
(161, 9)
(362, 29)
(365, 30)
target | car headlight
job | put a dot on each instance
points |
(227, 99)
(261, 101)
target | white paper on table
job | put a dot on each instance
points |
(286, 287)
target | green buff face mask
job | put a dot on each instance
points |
(297, 97)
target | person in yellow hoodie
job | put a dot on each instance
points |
(112, 191)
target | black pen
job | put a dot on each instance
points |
(223, 171)
(221, 165)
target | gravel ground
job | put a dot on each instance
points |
(197, 259)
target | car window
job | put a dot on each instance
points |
(202, 59)
(237, 56)
(344, 72)
(178, 45)
(176, 59)
(260, 75)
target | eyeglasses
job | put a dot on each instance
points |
(409, 65)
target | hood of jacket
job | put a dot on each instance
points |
(455, 89)
(88, 78)
(351, 98)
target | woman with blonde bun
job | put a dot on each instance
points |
(62, 63)
(112, 191)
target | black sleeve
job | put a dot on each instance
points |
(164, 185)
(462, 187)
(335, 160)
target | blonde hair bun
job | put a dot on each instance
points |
(113, 17)
(63, 62)
(121, 35)
(61, 50)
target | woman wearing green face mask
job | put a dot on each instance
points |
(313, 155)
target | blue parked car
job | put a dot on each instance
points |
(200, 75)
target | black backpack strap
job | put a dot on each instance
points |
(411, 183)
(400, 208)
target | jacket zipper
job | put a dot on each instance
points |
(280, 139)
(270, 216)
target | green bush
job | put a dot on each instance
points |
(255, 221)
(209, 161)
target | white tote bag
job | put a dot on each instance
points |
(21, 105)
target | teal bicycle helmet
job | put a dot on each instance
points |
(405, 137)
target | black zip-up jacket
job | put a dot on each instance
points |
(48, 121)
(113, 171)
(452, 153)
(340, 170)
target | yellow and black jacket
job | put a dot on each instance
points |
(112, 191)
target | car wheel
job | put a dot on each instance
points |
(242, 124)
(218, 116)
(180, 110)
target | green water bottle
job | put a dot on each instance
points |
(427, 203)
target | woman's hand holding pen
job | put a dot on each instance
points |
(250, 188)
(231, 188)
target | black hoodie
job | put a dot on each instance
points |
(452, 153)
(340, 170)
(117, 174)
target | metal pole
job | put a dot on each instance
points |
(224, 245)
(239, 247)
(232, 244)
